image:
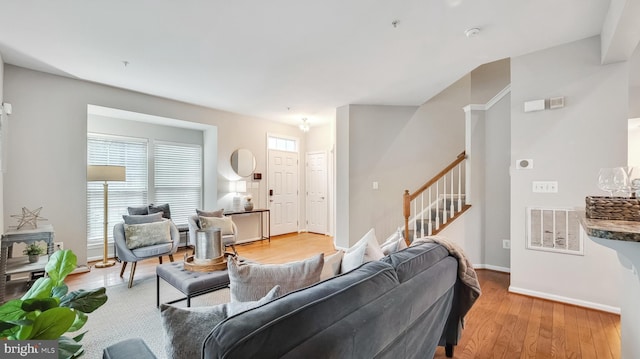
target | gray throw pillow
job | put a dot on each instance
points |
(218, 213)
(139, 219)
(251, 281)
(186, 328)
(142, 210)
(164, 208)
(147, 234)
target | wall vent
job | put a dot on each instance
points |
(554, 230)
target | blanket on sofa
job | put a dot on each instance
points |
(466, 273)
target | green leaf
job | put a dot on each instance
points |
(60, 264)
(52, 323)
(81, 319)
(85, 301)
(59, 291)
(11, 310)
(40, 304)
(79, 337)
(41, 288)
(69, 348)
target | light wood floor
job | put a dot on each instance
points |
(500, 325)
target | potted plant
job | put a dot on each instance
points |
(34, 251)
(48, 310)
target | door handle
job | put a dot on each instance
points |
(321, 197)
(270, 192)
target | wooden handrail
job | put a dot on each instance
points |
(408, 197)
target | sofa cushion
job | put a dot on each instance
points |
(147, 234)
(224, 223)
(164, 208)
(365, 250)
(413, 260)
(142, 218)
(250, 281)
(218, 213)
(186, 328)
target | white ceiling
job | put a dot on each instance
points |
(259, 58)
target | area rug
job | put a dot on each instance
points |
(132, 313)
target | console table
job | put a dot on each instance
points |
(264, 214)
(9, 266)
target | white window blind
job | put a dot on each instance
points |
(120, 151)
(178, 178)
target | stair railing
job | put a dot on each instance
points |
(436, 212)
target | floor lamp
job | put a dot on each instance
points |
(105, 174)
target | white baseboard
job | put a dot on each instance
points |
(492, 267)
(559, 298)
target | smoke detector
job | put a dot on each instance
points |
(472, 32)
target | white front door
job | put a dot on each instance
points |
(317, 208)
(283, 191)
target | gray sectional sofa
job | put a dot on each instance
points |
(400, 307)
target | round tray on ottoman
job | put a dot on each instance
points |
(191, 266)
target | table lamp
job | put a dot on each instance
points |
(106, 174)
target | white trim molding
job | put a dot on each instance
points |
(492, 267)
(490, 103)
(559, 298)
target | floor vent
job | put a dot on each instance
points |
(554, 230)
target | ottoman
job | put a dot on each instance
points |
(191, 284)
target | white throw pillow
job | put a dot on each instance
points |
(331, 266)
(365, 250)
(393, 243)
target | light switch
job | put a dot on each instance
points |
(375, 185)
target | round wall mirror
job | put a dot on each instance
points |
(243, 162)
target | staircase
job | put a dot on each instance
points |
(437, 203)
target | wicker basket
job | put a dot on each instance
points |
(613, 208)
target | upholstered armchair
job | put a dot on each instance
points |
(228, 240)
(126, 255)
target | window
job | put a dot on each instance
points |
(178, 178)
(120, 151)
(282, 144)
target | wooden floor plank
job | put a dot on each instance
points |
(584, 333)
(611, 327)
(543, 349)
(532, 336)
(558, 332)
(572, 335)
(600, 339)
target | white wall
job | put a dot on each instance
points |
(567, 145)
(47, 145)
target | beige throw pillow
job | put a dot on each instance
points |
(331, 266)
(147, 234)
(250, 281)
(186, 328)
(224, 223)
(217, 213)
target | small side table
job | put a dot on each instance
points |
(9, 266)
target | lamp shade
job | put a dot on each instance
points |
(106, 173)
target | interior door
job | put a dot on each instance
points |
(283, 191)
(317, 206)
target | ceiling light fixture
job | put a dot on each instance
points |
(472, 32)
(304, 126)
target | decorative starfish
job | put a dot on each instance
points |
(28, 217)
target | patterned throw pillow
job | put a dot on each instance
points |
(250, 281)
(147, 234)
(224, 223)
(187, 328)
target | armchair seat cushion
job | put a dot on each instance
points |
(153, 250)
